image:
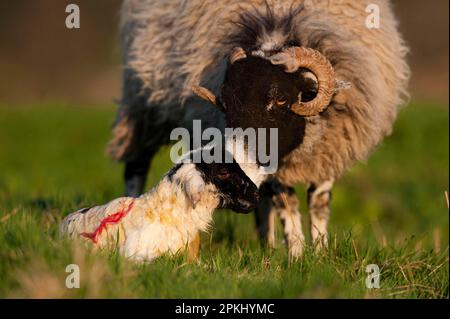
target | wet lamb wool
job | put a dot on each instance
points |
(168, 218)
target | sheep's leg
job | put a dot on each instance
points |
(287, 204)
(265, 216)
(136, 176)
(319, 197)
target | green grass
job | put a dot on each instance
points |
(389, 211)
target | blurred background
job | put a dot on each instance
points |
(42, 60)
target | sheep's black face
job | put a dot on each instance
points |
(237, 191)
(258, 94)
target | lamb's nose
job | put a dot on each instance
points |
(246, 205)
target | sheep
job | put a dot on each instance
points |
(330, 112)
(169, 217)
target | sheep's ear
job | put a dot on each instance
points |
(208, 96)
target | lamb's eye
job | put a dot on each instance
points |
(281, 101)
(223, 174)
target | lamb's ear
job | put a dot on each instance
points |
(194, 188)
(191, 182)
(208, 96)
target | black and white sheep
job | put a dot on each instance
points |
(171, 46)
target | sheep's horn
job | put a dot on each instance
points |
(237, 53)
(299, 57)
(208, 96)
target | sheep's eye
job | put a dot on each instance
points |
(280, 101)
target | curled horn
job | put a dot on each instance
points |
(298, 57)
(237, 54)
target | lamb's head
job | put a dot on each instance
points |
(235, 189)
(277, 91)
(224, 183)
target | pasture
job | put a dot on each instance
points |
(390, 211)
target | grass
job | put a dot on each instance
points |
(389, 211)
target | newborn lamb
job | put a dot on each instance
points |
(168, 218)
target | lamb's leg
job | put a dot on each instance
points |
(319, 197)
(286, 203)
(136, 176)
(193, 249)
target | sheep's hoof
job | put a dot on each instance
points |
(296, 250)
(320, 244)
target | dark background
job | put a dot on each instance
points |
(42, 60)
